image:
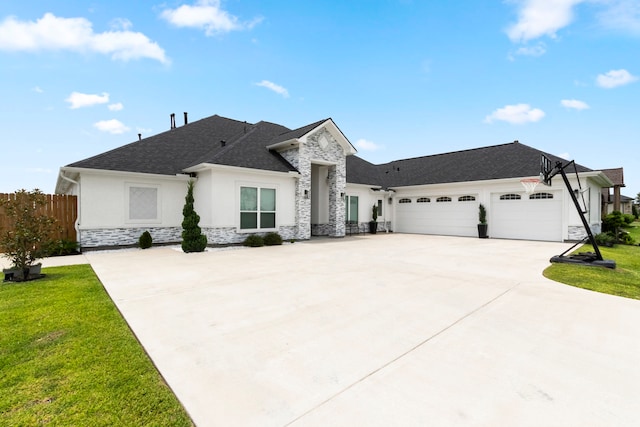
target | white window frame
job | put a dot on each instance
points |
(510, 196)
(258, 211)
(347, 211)
(127, 206)
(541, 195)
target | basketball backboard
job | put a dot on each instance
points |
(546, 170)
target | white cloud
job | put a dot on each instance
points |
(206, 15)
(622, 15)
(274, 87)
(574, 104)
(365, 145)
(76, 34)
(121, 24)
(615, 78)
(115, 107)
(516, 114)
(537, 50)
(112, 126)
(565, 156)
(537, 18)
(79, 100)
(37, 89)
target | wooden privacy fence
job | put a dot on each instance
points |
(62, 207)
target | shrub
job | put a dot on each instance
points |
(145, 241)
(605, 239)
(625, 238)
(482, 214)
(628, 219)
(28, 231)
(272, 239)
(192, 238)
(254, 241)
(62, 247)
(634, 211)
(612, 222)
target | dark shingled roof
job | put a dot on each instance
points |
(615, 175)
(175, 150)
(297, 133)
(171, 152)
(510, 160)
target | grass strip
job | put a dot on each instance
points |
(624, 281)
(67, 357)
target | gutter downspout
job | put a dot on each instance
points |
(77, 224)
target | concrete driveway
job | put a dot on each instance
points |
(378, 331)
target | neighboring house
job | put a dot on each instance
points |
(626, 204)
(612, 199)
(262, 177)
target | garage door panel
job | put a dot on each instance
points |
(444, 218)
(527, 219)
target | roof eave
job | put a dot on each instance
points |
(284, 145)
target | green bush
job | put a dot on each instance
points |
(628, 219)
(612, 221)
(634, 211)
(272, 239)
(62, 247)
(192, 238)
(605, 239)
(145, 241)
(254, 241)
(27, 231)
(625, 238)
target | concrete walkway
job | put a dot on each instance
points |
(378, 331)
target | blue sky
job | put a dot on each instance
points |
(401, 78)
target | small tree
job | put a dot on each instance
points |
(192, 238)
(28, 230)
(482, 214)
(374, 212)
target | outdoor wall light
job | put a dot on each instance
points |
(306, 194)
(342, 195)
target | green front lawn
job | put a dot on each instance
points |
(624, 281)
(68, 358)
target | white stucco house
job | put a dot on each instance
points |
(262, 177)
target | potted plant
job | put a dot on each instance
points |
(482, 218)
(27, 233)
(373, 224)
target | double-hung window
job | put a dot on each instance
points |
(257, 208)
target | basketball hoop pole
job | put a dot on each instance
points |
(559, 169)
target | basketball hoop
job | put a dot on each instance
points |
(529, 184)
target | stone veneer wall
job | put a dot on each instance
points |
(229, 235)
(114, 237)
(106, 237)
(301, 158)
(577, 232)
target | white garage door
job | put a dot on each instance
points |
(444, 215)
(520, 216)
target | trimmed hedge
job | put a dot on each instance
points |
(145, 241)
(272, 239)
(254, 241)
